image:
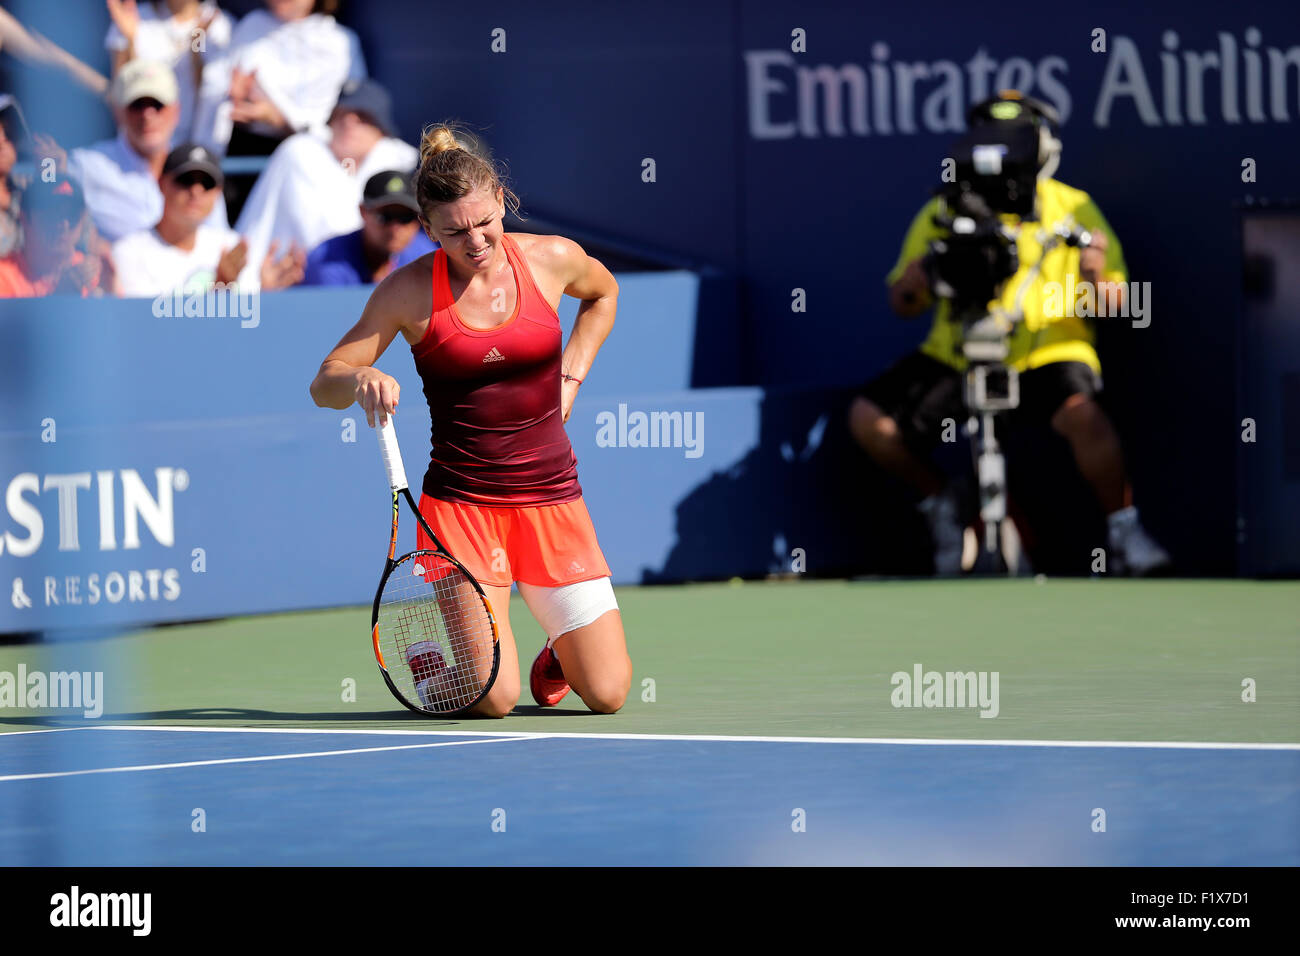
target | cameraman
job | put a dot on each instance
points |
(899, 416)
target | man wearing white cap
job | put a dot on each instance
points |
(120, 176)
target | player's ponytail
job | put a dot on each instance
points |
(453, 164)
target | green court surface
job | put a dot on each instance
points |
(1075, 659)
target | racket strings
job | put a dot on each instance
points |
(435, 634)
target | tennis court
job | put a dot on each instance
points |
(761, 728)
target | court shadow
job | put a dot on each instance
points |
(803, 499)
(532, 710)
(243, 714)
(228, 714)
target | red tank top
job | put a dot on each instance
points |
(494, 398)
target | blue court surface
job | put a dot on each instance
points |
(148, 795)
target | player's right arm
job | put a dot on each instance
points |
(348, 374)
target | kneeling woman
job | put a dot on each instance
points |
(502, 487)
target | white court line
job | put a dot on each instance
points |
(890, 741)
(225, 760)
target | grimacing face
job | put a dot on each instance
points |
(469, 229)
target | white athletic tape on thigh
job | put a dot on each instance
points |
(564, 609)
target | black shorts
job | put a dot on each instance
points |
(919, 392)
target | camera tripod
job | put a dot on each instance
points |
(991, 388)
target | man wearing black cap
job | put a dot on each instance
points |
(48, 261)
(311, 190)
(183, 252)
(390, 236)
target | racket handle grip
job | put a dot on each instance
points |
(392, 454)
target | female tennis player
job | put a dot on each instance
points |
(502, 487)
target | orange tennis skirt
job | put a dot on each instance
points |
(545, 545)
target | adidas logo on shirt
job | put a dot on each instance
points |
(494, 356)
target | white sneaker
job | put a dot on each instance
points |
(941, 513)
(1134, 551)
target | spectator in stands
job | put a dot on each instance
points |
(183, 251)
(312, 190)
(15, 138)
(281, 75)
(10, 194)
(48, 260)
(181, 33)
(390, 236)
(120, 176)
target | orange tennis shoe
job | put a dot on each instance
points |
(546, 679)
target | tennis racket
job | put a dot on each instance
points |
(434, 634)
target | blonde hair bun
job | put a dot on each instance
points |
(437, 139)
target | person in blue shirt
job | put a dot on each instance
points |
(390, 236)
